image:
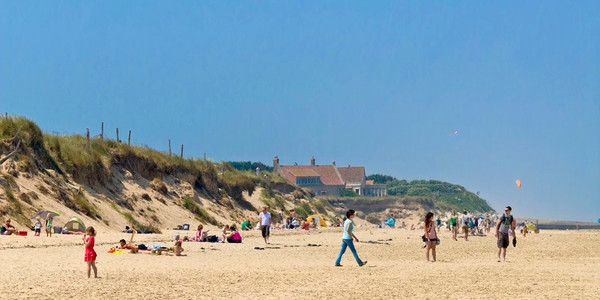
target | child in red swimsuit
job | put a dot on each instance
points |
(90, 254)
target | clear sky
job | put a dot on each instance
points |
(379, 84)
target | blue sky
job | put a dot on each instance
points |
(379, 84)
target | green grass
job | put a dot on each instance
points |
(84, 205)
(132, 221)
(199, 211)
(14, 204)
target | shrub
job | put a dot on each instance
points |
(199, 211)
(84, 205)
(132, 221)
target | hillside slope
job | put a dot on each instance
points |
(110, 185)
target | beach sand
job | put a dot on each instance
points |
(552, 264)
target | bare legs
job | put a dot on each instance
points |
(430, 246)
(454, 232)
(502, 252)
(91, 264)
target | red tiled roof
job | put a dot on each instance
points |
(370, 182)
(352, 174)
(304, 173)
(328, 173)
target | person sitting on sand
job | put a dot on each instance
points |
(291, 220)
(234, 236)
(224, 233)
(246, 225)
(7, 228)
(177, 248)
(201, 235)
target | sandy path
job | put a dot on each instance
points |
(549, 265)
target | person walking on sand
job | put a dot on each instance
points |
(464, 222)
(431, 236)
(90, 254)
(264, 219)
(453, 225)
(347, 240)
(505, 223)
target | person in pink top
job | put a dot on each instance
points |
(90, 254)
(234, 236)
(430, 235)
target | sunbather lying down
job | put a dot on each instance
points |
(130, 246)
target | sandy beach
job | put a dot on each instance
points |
(552, 265)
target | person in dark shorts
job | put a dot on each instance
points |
(505, 223)
(264, 219)
(430, 236)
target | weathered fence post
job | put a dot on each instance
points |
(102, 131)
(87, 137)
(181, 150)
(169, 148)
(118, 141)
(204, 156)
(129, 139)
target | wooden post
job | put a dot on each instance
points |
(102, 131)
(87, 137)
(204, 156)
(169, 148)
(129, 139)
(118, 135)
(181, 150)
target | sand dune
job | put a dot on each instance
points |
(553, 264)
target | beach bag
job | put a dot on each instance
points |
(212, 239)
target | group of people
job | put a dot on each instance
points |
(7, 228)
(505, 225)
(473, 225)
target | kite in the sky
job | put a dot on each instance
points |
(453, 132)
(518, 182)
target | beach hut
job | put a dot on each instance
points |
(74, 225)
(318, 219)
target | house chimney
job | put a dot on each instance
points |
(333, 163)
(275, 162)
(312, 161)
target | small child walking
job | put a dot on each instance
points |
(38, 226)
(90, 254)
